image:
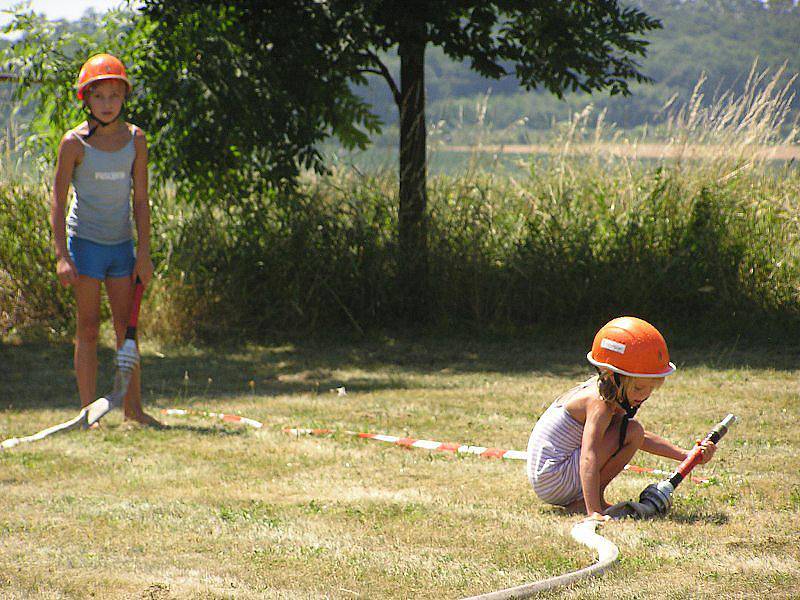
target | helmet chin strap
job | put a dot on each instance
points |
(99, 121)
(630, 412)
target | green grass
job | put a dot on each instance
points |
(206, 510)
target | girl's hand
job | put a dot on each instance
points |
(708, 448)
(143, 268)
(66, 271)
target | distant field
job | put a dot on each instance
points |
(453, 159)
(206, 510)
(634, 150)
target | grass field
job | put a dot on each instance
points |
(210, 510)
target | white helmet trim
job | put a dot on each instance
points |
(670, 371)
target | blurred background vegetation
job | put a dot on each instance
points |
(718, 38)
(555, 239)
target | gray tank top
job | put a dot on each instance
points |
(101, 206)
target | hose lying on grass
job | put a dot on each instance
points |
(655, 500)
(584, 533)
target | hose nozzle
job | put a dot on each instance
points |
(656, 499)
(721, 428)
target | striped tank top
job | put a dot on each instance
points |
(101, 205)
(554, 449)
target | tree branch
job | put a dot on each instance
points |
(384, 71)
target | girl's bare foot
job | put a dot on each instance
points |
(142, 418)
(576, 507)
(96, 424)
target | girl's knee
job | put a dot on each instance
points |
(635, 434)
(87, 331)
(119, 329)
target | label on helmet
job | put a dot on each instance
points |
(612, 345)
(110, 175)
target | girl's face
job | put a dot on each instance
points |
(638, 389)
(105, 98)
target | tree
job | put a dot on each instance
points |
(551, 43)
(246, 87)
(240, 94)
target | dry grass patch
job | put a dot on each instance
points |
(208, 510)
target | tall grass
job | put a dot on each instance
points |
(29, 290)
(691, 237)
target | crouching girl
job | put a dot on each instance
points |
(589, 433)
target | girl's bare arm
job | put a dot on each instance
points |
(69, 152)
(141, 208)
(655, 444)
(598, 419)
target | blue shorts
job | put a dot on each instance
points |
(101, 260)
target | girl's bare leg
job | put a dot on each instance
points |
(87, 298)
(612, 465)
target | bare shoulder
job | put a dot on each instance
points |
(139, 141)
(596, 408)
(138, 133)
(582, 403)
(71, 146)
(70, 140)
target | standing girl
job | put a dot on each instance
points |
(104, 158)
(588, 435)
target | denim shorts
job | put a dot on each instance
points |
(102, 260)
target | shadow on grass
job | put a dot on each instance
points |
(675, 515)
(711, 518)
(211, 431)
(39, 374)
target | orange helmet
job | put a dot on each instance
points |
(99, 67)
(631, 346)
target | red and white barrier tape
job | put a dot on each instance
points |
(424, 444)
(214, 415)
(408, 442)
(583, 532)
(455, 448)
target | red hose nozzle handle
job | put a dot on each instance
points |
(690, 462)
(133, 319)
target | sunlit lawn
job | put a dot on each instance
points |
(210, 510)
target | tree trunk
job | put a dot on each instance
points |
(413, 234)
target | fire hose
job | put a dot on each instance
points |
(126, 360)
(655, 499)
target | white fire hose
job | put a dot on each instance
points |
(585, 533)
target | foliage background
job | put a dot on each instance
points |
(718, 38)
(699, 36)
(535, 244)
